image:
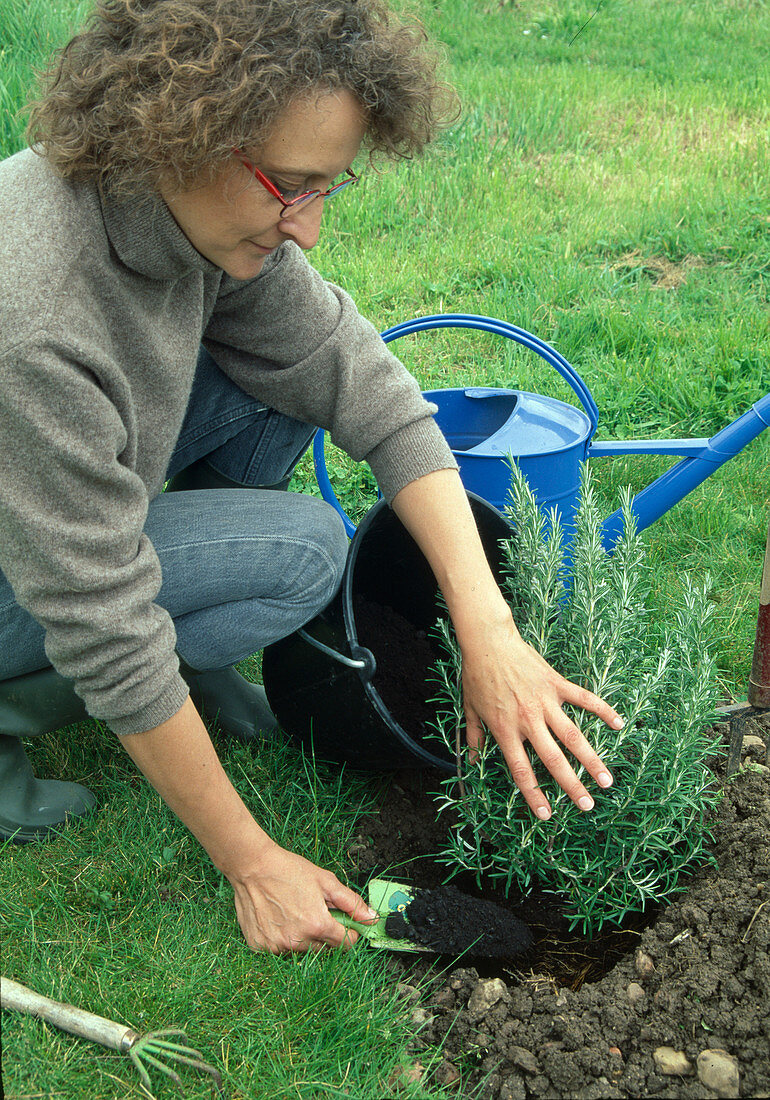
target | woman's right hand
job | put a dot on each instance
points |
(282, 902)
(281, 899)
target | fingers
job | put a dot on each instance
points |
(555, 761)
(557, 764)
(342, 897)
(329, 931)
(579, 747)
(586, 700)
(349, 902)
(324, 930)
(347, 938)
(308, 935)
(474, 734)
(524, 777)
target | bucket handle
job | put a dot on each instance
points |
(473, 321)
(362, 659)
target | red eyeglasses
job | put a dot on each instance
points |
(298, 200)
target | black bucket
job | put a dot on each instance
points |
(322, 683)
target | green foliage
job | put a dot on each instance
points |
(588, 612)
(29, 33)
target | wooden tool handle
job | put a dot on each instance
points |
(67, 1017)
(759, 680)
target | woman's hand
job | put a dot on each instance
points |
(281, 899)
(509, 687)
(283, 904)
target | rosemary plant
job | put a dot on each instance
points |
(588, 613)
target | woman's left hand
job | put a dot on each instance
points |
(518, 696)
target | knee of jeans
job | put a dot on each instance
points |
(333, 540)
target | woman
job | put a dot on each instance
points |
(160, 322)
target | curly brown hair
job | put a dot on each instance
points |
(157, 90)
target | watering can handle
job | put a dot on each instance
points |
(512, 332)
(463, 320)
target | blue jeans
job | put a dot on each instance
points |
(240, 568)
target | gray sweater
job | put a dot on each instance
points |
(103, 305)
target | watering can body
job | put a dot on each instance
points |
(550, 439)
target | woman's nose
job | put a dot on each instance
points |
(303, 223)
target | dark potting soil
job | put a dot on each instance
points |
(589, 1018)
(453, 923)
(405, 657)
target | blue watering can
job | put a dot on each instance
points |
(550, 439)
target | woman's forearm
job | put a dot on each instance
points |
(181, 763)
(435, 510)
(282, 901)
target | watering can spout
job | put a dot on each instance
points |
(702, 458)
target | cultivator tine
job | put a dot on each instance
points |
(737, 724)
(140, 1057)
(154, 1046)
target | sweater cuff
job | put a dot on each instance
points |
(411, 452)
(153, 714)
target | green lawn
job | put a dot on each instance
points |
(609, 193)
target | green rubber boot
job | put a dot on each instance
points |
(31, 808)
(39, 702)
(239, 707)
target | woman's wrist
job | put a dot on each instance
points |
(479, 624)
(238, 854)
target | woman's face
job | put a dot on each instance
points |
(235, 222)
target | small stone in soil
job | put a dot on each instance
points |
(487, 993)
(753, 746)
(451, 923)
(643, 964)
(524, 1059)
(447, 1074)
(671, 1063)
(718, 1071)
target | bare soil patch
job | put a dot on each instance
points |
(664, 273)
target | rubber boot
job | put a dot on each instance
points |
(240, 708)
(38, 702)
(200, 475)
(31, 808)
